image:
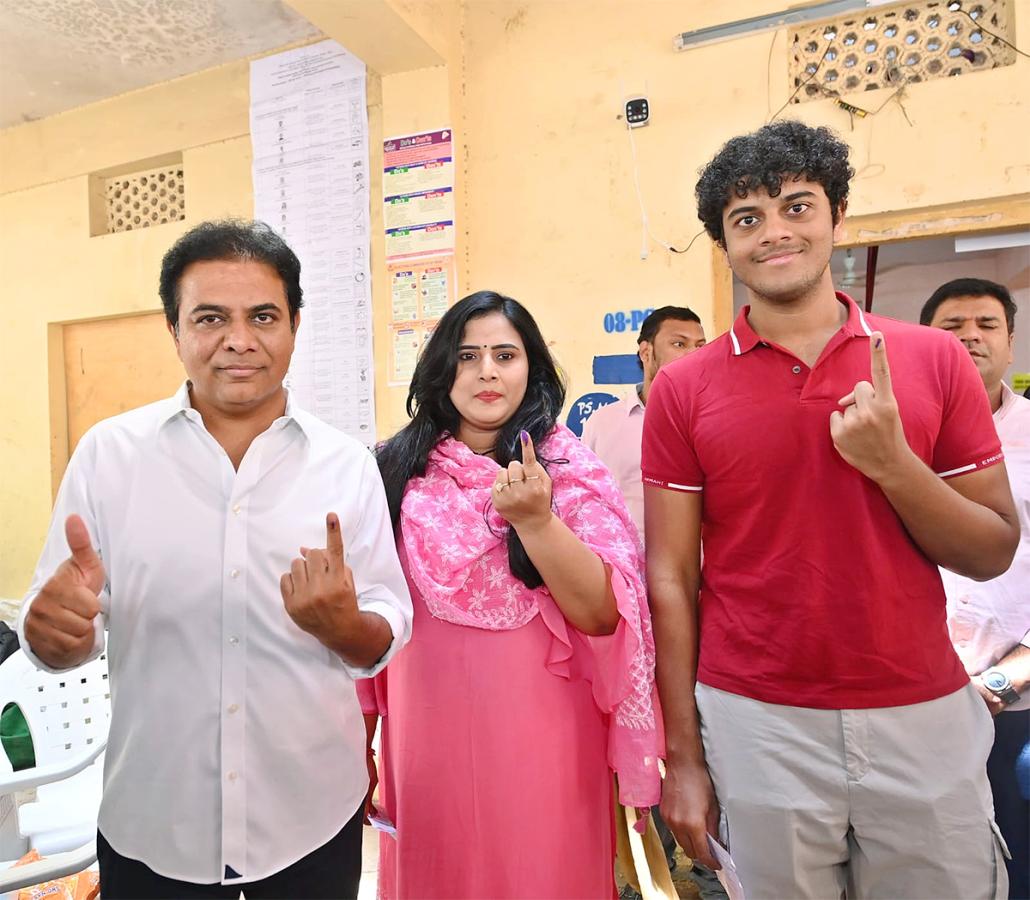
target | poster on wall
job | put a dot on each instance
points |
(418, 218)
(421, 290)
(309, 131)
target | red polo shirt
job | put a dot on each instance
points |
(812, 592)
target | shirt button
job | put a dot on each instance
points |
(234, 707)
(235, 573)
(964, 598)
(796, 370)
(232, 776)
(963, 643)
(236, 510)
(234, 640)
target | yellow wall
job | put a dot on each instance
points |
(555, 219)
(546, 204)
(53, 271)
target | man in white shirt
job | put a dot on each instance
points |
(236, 755)
(614, 431)
(989, 621)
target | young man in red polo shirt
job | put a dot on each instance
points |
(817, 718)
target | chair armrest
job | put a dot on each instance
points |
(34, 777)
(56, 866)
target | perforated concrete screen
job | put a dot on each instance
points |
(903, 43)
(142, 199)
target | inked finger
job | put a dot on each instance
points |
(528, 450)
(881, 370)
(333, 538)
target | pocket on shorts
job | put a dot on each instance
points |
(724, 828)
(1001, 853)
(999, 840)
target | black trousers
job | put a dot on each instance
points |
(331, 872)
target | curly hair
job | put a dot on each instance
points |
(763, 159)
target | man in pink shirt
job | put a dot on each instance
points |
(989, 621)
(614, 431)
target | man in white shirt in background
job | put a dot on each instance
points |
(236, 755)
(989, 621)
(614, 431)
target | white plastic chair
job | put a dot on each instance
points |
(68, 715)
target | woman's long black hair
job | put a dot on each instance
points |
(404, 456)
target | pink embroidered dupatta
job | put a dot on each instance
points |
(455, 544)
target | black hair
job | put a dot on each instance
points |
(404, 456)
(764, 159)
(651, 325)
(229, 239)
(970, 287)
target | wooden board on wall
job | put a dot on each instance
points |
(113, 365)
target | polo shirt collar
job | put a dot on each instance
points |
(743, 337)
(179, 405)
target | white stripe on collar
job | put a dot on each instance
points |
(861, 318)
(736, 343)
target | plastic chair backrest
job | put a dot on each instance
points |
(68, 713)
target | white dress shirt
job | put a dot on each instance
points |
(615, 433)
(237, 743)
(988, 618)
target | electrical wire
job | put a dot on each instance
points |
(797, 90)
(997, 37)
(644, 222)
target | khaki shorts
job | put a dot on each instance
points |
(867, 803)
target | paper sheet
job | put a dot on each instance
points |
(728, 873)
(309, 130)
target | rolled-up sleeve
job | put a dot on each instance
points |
(378, 578)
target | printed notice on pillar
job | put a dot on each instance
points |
(418, 195)
(421, 289)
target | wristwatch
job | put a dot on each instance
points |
(997, 682)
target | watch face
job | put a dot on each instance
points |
(996, 681)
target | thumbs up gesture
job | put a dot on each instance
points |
(867, 432)
(59, 625)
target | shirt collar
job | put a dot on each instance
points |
(1008, 400)
(743, 337)
(633, 401)
(179, 405)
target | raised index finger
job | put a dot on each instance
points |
(333, 538)
(528, 450)
(880, 368)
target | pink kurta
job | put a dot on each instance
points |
(502, 722)
(493, 769)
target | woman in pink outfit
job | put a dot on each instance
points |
(529, 677)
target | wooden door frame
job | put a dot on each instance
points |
(947, 220)
(60, 452)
